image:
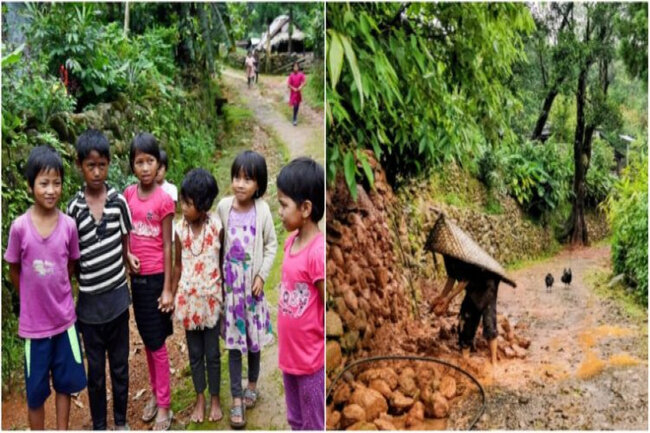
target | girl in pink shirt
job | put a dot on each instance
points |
(301, 193)
(152, 211)
(295, 83)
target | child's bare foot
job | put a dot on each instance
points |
(215, 409)
(199, 409)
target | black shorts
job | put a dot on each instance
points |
(470, 315)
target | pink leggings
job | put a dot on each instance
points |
(158, 363)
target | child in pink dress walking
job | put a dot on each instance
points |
(295, 83)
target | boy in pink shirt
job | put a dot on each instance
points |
(301, 193)
(42, 250)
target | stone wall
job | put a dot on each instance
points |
(116, 120)
(364, 281)
(509, 235)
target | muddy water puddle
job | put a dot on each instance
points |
(593, 364)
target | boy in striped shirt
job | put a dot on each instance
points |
(103, 224)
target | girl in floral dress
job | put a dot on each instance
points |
(249, 245)
(197, 286)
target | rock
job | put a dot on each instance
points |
(333, 355)
(386, 374)
(519, 351)
(381, 386)
(382, 276)
(362, 425)
(440, 405)
(337, 255)
(352, 414)
(383, 424)
(448, 387)
(407, 382)
(370, 400)
(349, 340)
(415, 414)
(400, 402)
(341, 394)
(333, 420)
(523, 342)
(351, 300)
(509, 352)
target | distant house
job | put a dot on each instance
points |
(279, 35)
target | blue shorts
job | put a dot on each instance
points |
(59, 354)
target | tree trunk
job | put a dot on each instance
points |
(126, 19)
(207, 40)
(185, 52)
(543, 116)
(577, 226)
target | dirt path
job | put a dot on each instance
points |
(267, 100)
(587, 363)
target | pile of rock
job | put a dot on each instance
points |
(364, 283)
(394, 398)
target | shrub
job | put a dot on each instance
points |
(627, 209)
(538, 176)
(599, 177)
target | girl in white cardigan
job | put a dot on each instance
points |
(249, 245)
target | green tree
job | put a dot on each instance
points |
(593, 109)
(421, 83)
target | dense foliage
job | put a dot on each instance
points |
(137, 73)
(628, 213)
(420, 84)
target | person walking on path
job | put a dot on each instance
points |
(295, 83)
(250, 68)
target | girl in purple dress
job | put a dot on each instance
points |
(249, 245)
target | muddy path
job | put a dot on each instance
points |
(587, 364)
(268, 100)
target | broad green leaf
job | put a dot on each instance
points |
(352, 62)
(335, 57)
(349, 171)
(13, 57)
(366, 168)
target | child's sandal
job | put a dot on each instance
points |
(250, 397)
(150, 410)
(238, 411)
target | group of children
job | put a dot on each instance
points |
(207, 270)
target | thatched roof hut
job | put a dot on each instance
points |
(279, 34)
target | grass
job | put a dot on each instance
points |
(493, 206)
(626, 301)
